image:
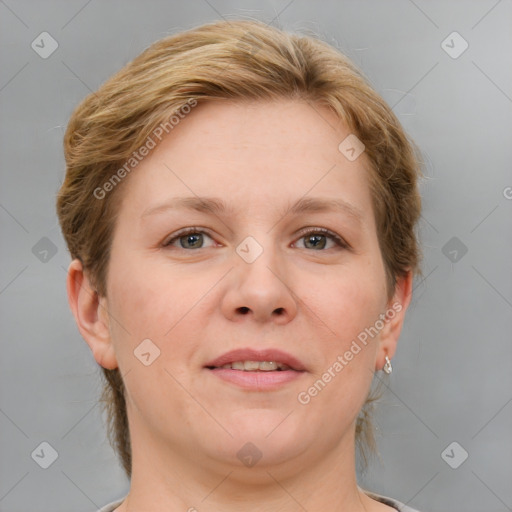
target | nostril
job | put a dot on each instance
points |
(244, 310)
(279, 311)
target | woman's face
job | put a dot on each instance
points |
(256, 272)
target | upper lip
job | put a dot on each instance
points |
(249, 354)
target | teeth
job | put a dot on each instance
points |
(250, 366)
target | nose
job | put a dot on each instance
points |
(260, 290)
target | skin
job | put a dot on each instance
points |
(195, 304)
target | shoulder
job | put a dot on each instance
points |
(111, 506)
(391, 502)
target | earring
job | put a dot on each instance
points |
(387, 367)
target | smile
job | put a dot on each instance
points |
(251, 366)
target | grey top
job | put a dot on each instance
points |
(111, 507)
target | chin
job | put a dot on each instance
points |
(260, 423)
(277, 437)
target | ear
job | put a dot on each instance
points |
(91, 315)
(395, 315)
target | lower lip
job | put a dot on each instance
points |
(257, 380)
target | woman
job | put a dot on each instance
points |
(240, 207)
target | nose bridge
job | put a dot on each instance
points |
(259, 285)
(259, 267)
(260, 262)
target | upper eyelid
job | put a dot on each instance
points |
(338, 239)
(183, 232)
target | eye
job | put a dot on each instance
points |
(190, 238)
(317, 238)
(314, 238)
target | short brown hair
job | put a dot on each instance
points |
(238, 60)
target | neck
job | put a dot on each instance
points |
(173, 479)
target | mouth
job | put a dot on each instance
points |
(260, 370)
(253, 366)
(251, 360)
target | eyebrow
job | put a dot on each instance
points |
(217, 206)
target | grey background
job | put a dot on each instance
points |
(452, 378)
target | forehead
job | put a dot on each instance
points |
(252, 155)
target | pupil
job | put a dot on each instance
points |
(193, 240)
(316, 240)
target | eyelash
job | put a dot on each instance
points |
(307, 231)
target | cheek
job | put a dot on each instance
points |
(142, 306)
(345, 308)
(349, 302)
(344, 374)
(146, 306)
(142, 291)
(152, 301)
